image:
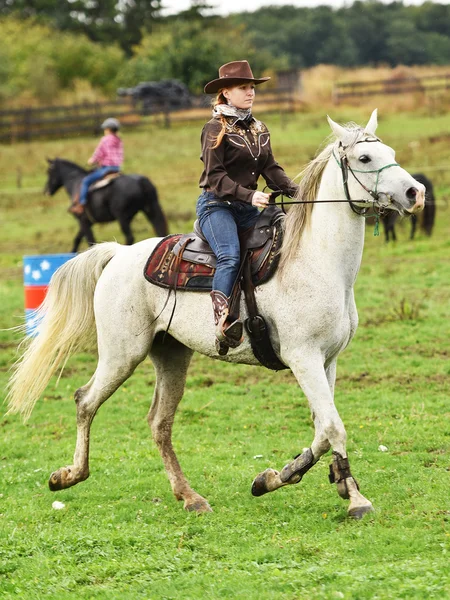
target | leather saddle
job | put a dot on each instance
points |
(187, 262)
(193, 247)
(104, 181)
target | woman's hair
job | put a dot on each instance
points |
(220, 99)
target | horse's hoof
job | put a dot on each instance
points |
(64, 478)
(259, 485)
(55, 481)
(358, 512)
(199, 505)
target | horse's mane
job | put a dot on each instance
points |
(70, 164)
(298, 217)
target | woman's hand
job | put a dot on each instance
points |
(91, 161)
(260, 199)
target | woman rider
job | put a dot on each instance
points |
(236, 150)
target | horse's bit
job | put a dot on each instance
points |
(345, 168)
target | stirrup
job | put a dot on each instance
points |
(232, 335)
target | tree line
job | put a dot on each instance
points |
(53, 45)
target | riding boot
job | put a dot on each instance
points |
(228, 331)
(76, 208)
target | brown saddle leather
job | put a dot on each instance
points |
(186, 261)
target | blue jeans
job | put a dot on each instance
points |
(221, 222)
(91, 178)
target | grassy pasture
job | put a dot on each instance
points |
(122, 534)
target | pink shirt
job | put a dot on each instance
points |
(109, 152)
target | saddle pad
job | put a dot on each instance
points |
(161, 268)
(165, 269)
(106, 180)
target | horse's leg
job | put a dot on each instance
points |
(118, 357)
(126, 230)
(157, 218)
(413, 226)
(77, 240)
(171, 360)
(86, 229)
(329, 432)
(152, 208)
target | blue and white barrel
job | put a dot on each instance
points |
(37, 272)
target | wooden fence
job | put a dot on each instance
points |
(85, 119)
(423, 85)
(58, 121)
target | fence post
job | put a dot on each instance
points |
(335, 94)
(27, 124)
(19, 176)
(98, 117)
(283, 118)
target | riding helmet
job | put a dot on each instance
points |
(111, 123)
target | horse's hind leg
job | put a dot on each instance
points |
(117, 361)
(126, 230)
(171, 360)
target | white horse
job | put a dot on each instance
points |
(102, 297)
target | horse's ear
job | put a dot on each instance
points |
(340, 132)
(372, 125)
(49, 160)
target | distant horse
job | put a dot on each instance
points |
(426, 218)
(101, 296)
(119, 201)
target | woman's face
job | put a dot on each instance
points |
(241, 96)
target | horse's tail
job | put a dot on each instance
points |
(152, 207)
(67, 324)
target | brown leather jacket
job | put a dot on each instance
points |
(232, 169)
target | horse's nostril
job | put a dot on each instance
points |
(412, 193)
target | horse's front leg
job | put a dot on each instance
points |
(77, 240)
(318, 385)
(86, 229)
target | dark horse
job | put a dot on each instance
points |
(119, 201)
(426, 216)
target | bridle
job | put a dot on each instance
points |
(345, 168)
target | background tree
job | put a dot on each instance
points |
(51, 45)
(107, 21)
(192, 53)
(40, 62)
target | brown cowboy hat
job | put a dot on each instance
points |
(233, 73)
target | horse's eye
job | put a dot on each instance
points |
(365, 159)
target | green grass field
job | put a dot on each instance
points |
(122, 534)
